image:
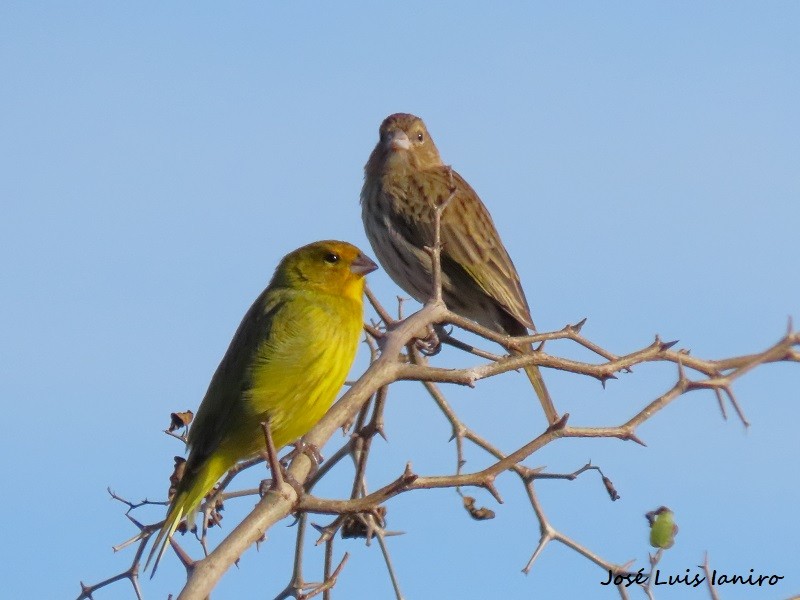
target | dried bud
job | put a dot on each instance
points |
(177, 475)
(612, 492)
(479, 514)
(215, 517)
(180, 419)
(355, 526)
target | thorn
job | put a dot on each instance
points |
(458, 431)
(391, 533)
(604, 378)
(625, 566)
(668, 345)
(736, 407)
(560, 424)
(578, 326)
(135, 522)
(721, 403)
(489, 486)
(789, 325)
(634, 438)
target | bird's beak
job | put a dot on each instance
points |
(362, 265)
(398, 140)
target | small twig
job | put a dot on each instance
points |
(712, 591)
(654, 560)
(134, 505)
(382, 312)
(435, 251)
(326, 594)
(131, 573)
(272, 457)
(389, 566)
(330, 581)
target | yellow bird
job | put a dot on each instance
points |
(285, 365)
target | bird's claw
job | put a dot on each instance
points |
(303, 447)
(431, 344)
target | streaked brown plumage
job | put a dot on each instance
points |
(403, 179)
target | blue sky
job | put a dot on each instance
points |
(640, 161)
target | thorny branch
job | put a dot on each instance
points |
(362, 513)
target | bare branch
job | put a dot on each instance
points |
(362, 408)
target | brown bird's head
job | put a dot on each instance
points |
(404, 139)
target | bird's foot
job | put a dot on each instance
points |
(303, 447)
(430, 344)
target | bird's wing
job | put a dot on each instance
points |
(470, 241)
(231, 380)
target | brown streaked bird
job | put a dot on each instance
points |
(403, 179)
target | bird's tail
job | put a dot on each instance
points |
(535, 376)
(191, 490)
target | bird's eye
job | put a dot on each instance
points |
(420, 137)
(331, 258)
